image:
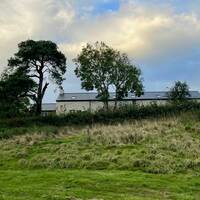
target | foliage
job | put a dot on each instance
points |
(94, 66)
(13, 93)
(100, 67)
(179, 92)
(40, 60)
(111, 116)
(125, 77)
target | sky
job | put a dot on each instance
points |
(160, 37)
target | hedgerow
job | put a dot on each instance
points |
(111, 116)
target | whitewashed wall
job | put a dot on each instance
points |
(66, 107)
(147, 102)
(96, 105)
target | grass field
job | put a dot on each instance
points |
(148, 159)
(86, 184)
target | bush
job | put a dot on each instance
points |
(87, 118)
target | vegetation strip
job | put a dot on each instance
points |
(146, 159)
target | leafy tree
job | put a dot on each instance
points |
(42, 62)
(13, 93)
(179, 92)
(94, 66)
(125, 77)
(100, 67)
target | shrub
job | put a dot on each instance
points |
(87, 118)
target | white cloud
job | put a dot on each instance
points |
(149, 34)
(141, 32)
(27, 19)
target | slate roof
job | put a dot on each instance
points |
(48, 106)
(146, 96)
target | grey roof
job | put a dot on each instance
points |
(48, 106)
(146, 96)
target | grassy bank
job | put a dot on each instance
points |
(167, 145)
(136, 159)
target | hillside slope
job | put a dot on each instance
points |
(148, 159)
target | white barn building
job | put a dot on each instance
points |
(72, 102)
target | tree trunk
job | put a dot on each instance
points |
(38, 107)
(115, 107)
(105, 98)
(39, 95)
(116, 99)
(106, 106)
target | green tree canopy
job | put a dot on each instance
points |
(179, 92)
(94, 66)
(100, 67)
(125, 77)
(42, 62)
(13, 93)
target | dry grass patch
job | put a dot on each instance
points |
(167, 145)
(134, 132)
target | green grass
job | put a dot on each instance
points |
(84, 184)
(148, 159)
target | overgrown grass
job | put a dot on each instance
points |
(20, 126)
(137, 159)
(6, 133)
(122, 114)
(168, 145)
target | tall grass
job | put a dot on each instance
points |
(165, 145)
(20, 126)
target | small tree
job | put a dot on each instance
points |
(94, 66)
(41, 61)
(13, 93)
(125, 78)
(179, 92)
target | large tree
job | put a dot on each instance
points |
(100, 67)
(125, 77)
(42, 61)
(94, 66)
(13, 93)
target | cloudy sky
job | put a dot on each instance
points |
(162, 37)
